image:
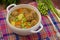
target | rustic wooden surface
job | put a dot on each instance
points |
(55, 2)
(20, 2)
(1, 7)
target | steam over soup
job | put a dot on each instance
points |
(23, 18)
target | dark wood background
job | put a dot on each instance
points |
(56, 3)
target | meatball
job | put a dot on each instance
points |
(34, 14)
(14, 13)
(30, 16)
(33, 22)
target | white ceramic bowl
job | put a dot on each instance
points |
(24, 31)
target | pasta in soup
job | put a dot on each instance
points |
(23, 18)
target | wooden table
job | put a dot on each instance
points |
(56, 3)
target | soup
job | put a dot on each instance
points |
(23, 18)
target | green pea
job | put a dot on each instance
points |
(23, 26)
(24, 19)
(29, 24)
(15, 19)
(42, 8)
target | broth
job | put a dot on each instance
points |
(23, 18)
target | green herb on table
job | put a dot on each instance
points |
(42, 7)
(49, 6)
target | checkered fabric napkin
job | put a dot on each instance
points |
(48, 32)
(54, 20)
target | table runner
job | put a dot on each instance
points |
(48, 32)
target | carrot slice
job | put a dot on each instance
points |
(18, 23)
(20, 10)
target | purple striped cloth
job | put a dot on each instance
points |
(48, 32)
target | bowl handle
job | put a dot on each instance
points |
(10, 6)
(41, 27)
